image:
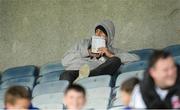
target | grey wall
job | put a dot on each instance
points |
(39, 31)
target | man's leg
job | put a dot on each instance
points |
(107, 68)
(69, 75)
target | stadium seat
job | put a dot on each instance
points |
(22, 81)
(1, 104)
(124, 76)
(55, 106)
(144, 54)
(118, 108)
(2, 93)
(50, 87)
(97, 104)
(51, 67)
(134, 66)
(53, 76)
(48, 98)
(97, 100)
(177, 59)
(173, 49)
(22, 71)
(94, 93)
(95, 81)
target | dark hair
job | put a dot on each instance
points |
(16, 92)
(75, 87)
(158, 54)
(129, 84)
(102, 29)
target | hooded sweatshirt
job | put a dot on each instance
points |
(78, 55)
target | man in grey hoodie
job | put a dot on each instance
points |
(106, 62)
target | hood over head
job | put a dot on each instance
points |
(110, 29)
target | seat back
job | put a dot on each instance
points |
(22, 81)
(177, 59)
(22, 71)
(95, 81)
(49, 98)
(173, 49)
(125, 76)
(52, 76)
(51, 67)
(50, 87)
(55, 106)
(95, 93)
(144, 54)
(134, 66)
(97, 104)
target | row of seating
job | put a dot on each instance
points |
(44, 83)
(144, 54)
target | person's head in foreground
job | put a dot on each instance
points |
(17, 97)
(160, 87)
(126, 90)
(74, 97)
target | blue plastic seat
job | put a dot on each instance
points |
(144, 54)
(173, 49)
(54, 106)
(125, 76)
(134, 66)
(2, 104)
(50, 87)
(97, 104)
(53, 76)
(95, 93)
(177, 59)
(22, 71)
(95, 81)
(118, 108)
(22, 81)
(2, 93)
(51, 67)
(48, 98)
(98, 98)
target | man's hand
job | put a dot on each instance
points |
(97, 55)
(105, 51)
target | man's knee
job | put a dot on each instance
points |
(115, 60)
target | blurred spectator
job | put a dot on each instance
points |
(126, 90)
(160, 87)
(74, 97)
(17, 97)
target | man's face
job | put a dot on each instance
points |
(101, 34)
(164, 73)
(74, 100)
(20, 104)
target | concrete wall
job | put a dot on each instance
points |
(39, 31)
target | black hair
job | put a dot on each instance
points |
(75, 87)
(102, 29)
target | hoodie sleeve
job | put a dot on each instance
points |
(125, 56)
(78, 51)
